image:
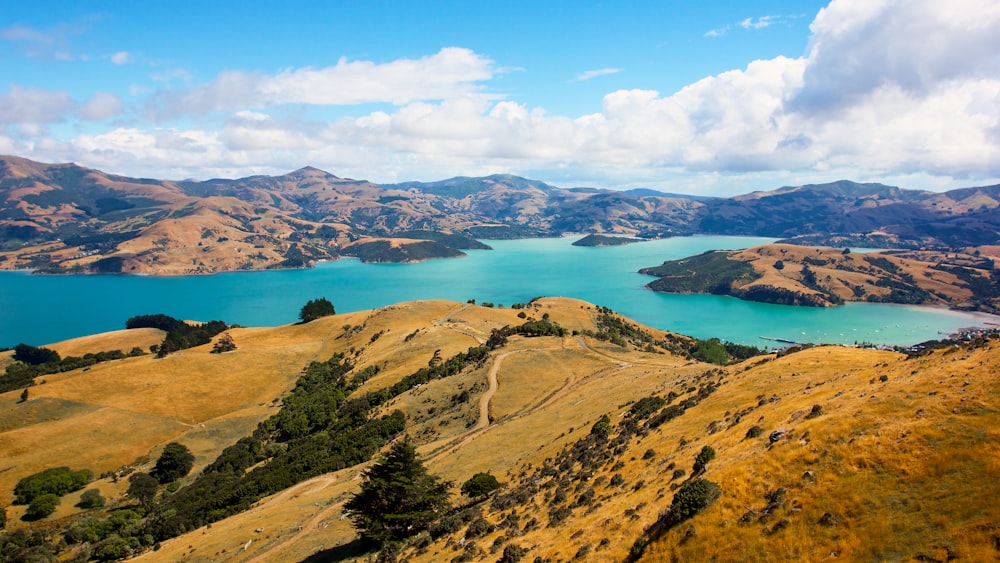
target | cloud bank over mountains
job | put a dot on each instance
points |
(905, 91)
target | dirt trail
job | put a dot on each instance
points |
(313, 524)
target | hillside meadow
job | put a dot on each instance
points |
(821, 452)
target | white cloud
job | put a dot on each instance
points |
(906, 90)
(450, 72)
(121, 58)
(51, 43)
(750, 24)
(32, 105)
(587, 75)
(101, 105)
(761, 22)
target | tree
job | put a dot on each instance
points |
(34, 355)
(142, 487)
(398, 497)
(56, 480)
(480, 485)
(175, 462)
(91, 498)
(3, 518)
(706, 455)
(224, 344)
(315, 309)
(693, 497)
(24, 395)
(41, 506)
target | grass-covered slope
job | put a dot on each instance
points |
(593, 431)
(797, 275)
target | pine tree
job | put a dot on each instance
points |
(398, 497)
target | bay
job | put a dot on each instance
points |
(45, 309)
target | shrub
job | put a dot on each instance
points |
(754, 432)
(706, 455)
(602, 427)
(647, 406)
(512, 554)
(57, 481)
(480, 485)
(41, 506)
(478, 528)
(91, 498)
(691, 498)
(3, 518)
(224, 344)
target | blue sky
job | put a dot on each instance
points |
(710, 97)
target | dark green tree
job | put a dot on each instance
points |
(41, 506)
(602, 427)
(56, 480)
(91, 498)
(142, 487)
(315, 309)
(706, 455)
(3, 518)
(175, 462)
(480, 485)
(398, 497)
(34, 355)
(691, 498)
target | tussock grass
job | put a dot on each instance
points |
(891, 469)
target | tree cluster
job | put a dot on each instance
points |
(57, 481)
(316, 308)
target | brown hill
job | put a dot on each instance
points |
(798, 275)
(864, 454)
(59, 218)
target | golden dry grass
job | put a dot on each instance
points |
(843, 273)
(906, 467)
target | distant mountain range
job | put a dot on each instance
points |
(67, 218)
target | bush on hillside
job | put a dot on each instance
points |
(41, 506)
(91, 498)
(480, 485)
(706, 455)
(56, 481)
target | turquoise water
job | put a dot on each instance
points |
(43, 309)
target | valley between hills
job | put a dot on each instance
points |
(593, 425)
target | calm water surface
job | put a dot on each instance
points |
(43, 309)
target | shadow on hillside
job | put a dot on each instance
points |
(340, 553)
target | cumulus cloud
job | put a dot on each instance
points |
(587, 75)
(859, 47)
(32, 105)
(902, 89)
(101, 105)
(450, 72)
